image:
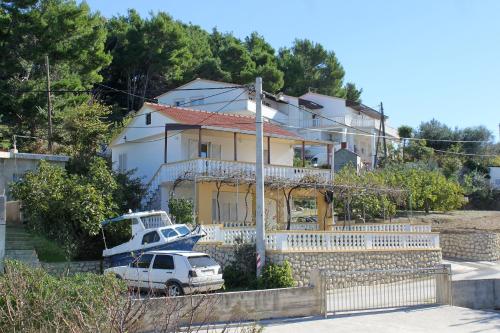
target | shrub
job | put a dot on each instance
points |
(33, 301)
(241, 272)
(276, 276)
(181, 210)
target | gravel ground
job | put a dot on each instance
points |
(464, 220)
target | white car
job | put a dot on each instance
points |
(177, 272)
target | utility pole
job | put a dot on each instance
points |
(383, 130)
(259, 179)
(3, 221)
(49, 103)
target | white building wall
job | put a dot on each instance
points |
(495, 177)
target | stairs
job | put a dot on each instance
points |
(19, 246)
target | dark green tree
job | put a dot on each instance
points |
(70, 35)
(352, 93)
(309, 65)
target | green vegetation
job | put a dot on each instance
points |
(181, 210)
(47, 250)
(240, 274)
(276, 276)
(31, 300)
(421, 189)
(144, 56)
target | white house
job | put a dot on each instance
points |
(209, 158)
(495, 177)
(313, 116)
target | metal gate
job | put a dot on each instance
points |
(345, 291)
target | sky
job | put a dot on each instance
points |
(423, 59)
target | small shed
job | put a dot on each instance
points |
(344, 157)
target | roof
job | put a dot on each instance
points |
(309, 104)
(215, 120)
(176, 252)
(365, 109)
(228, 84)
(29, 156)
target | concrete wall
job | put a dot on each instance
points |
(14, 165)
(476, 294)
(471, 245)
(236, 306)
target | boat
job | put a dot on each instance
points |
(151, 230)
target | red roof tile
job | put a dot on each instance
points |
(221, 120)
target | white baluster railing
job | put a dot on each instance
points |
(324, 241)
(394, 227)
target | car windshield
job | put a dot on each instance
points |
(201, 261)
(183, 230)
(169, 232)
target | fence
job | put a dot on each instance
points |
(377, 289)
(324, 240)
(395, 227)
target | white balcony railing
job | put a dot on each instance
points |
(340, 121)
(326, 240)
(169, 172)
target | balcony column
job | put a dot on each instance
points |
(303, 152)
(268, 150)
(235, 145)
(166, 145)
(199, 142)
(328, 154)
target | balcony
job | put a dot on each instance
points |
(216, 168)
(337, 122)
(205, 167)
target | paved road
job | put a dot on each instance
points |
(429, 319)
(474, 270)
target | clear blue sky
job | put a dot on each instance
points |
(424, 58)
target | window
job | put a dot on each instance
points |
(198, 100)
(148, 118)
(497, 181)
(122, 162)
(143, 261)
(205, 148)
(179, 102)
(201, 261)
(183, 231)
(167, 233)
(150, 237)
(163, 262)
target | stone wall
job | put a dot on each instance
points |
(471, 245)
(72, 267)
(304, 262)
(223, 254)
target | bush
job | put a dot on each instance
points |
(276, 276)
(181, 210)
(68, 208)
(33, 301)
(241, 273)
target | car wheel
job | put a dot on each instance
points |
(118, 277)
(174, 289)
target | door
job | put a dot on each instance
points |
(162, 270)
(139, 271)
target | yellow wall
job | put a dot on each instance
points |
(205, 190)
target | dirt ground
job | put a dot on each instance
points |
(464, 220)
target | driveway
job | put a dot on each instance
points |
(474, 270)
(425, 319)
